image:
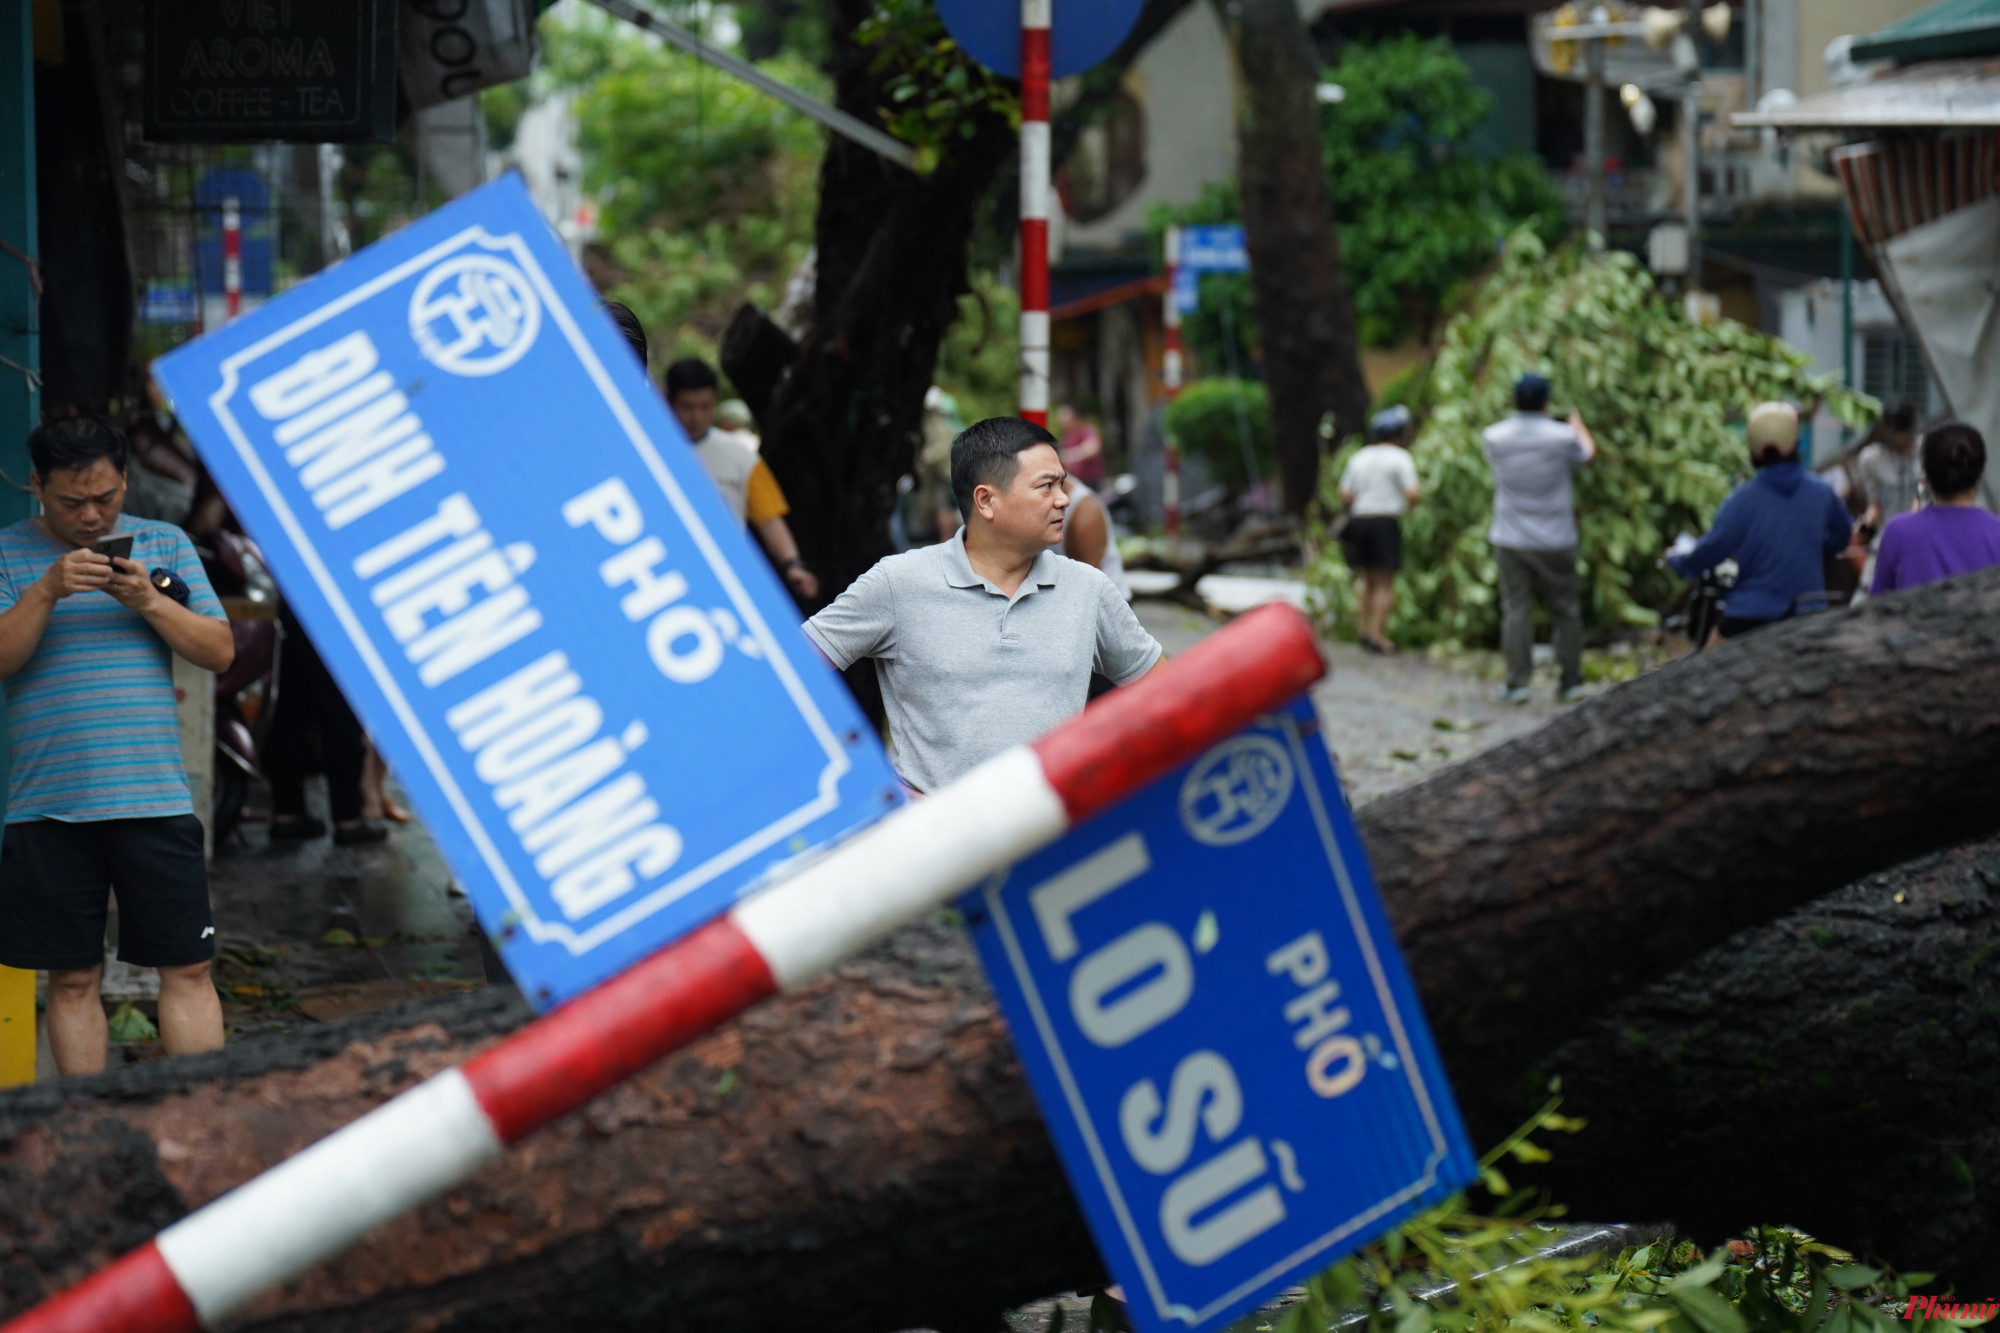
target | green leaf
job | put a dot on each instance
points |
(1708, 1311)
(1852, 1277)
(129, 1024)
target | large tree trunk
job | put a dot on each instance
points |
(863, 1156)
(1839, 1066)
(1305, 318)
(860, 1157)
(1536, 882)
(891, 255)
(841, 414)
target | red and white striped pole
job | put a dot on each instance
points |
(421, 1144)
(1170, 375)
(1035, 190)
(232, 255)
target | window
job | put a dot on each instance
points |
(1892, 367)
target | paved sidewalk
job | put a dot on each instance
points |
(1390, 720)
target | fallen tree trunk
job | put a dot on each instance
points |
(864, 1156)
(1839, 1066)
(1536, 882)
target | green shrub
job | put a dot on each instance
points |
(1221, 418)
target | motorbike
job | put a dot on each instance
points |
(246, 695)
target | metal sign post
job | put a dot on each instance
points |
(1170, 375)
(1035, 190)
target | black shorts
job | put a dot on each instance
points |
(1374, 542)
(53, 877)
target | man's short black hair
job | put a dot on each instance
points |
(1954, 458)
(629, 325)
(1531, 394)
(987, 453)
(690, 373)
(1901, 417)
(74, 444)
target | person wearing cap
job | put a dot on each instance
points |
(1378, 486)
(1779, 527)
(1534, 534)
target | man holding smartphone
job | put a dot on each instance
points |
(96, 793)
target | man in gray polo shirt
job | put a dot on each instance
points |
(989, 639)
(1534, 534)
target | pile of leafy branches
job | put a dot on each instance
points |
(1774, 1280)
(1665, 399)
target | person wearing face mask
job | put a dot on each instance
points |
(989, 639)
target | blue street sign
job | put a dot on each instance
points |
(1081, 32)
(1215, 249)
(1187, 290)
(591, 685)
(1219, 1028)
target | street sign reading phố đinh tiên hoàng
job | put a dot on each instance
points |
(589, 682)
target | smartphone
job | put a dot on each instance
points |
(118, 548)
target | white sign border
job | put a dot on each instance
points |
(1079, 1113)
(838, 763)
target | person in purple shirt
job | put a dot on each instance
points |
(1954, 535)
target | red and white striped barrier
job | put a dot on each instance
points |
(1035, 191)
(232, 256)
(419, 1145)
(1170, 379)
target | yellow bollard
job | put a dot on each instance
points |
(17, 1027)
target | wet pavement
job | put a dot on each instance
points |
(311, 932)
(1390, 720)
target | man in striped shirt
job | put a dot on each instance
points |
(96, 796)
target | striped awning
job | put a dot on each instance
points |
(1896, 184)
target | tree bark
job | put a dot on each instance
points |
(1305, 317)
(1840, 1066)
(864, 1156)
(860, 1157)
(892, 250)
(1534, 883)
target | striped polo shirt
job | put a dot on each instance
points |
(91, 725)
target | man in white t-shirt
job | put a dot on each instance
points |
(1534, 534)
(732, 460)
(1379, 485)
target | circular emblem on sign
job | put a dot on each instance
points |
(1235, 790)
(475, 315)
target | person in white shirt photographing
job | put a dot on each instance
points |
(1379, 486)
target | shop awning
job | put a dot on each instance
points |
(1952, 28)
(1941, 94)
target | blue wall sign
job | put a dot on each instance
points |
(1081, 32)
(1187, 290)
(1214, 249)
(590, 683)
(1219, 1028)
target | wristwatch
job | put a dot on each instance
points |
(793, 563)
